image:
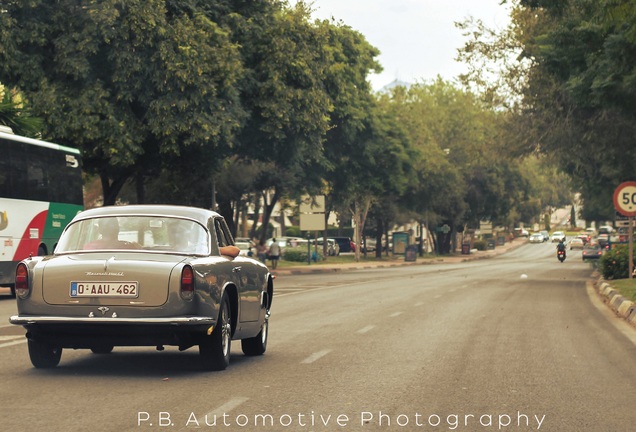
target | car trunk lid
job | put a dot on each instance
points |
(105, 279)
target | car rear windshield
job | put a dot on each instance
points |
(142, 233)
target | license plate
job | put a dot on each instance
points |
(104, 289)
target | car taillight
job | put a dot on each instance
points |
(21, 281)
(187, 283)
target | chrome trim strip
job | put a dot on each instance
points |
(26, 320)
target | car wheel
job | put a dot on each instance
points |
(258, 344)
(102, 349)
(43, 355)
(214, 350)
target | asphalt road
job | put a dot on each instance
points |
(513, 343)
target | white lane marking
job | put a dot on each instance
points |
(227, 407)
(366, 329)
(315, 356)
(17, 342)
(394, 314)
(303, 290)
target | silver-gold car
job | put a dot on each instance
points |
(144, 275)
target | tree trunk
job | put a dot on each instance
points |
(256, 216)
(111, 190)
(141, 189)
(267, 211)
(379, 247)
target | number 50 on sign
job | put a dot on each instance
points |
(625, 198)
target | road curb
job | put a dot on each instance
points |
(624, 308)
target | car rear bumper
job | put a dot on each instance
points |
(170, 321)
(82, 332)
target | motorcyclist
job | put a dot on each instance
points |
(561, 247)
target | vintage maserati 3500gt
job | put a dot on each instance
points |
(144, 275)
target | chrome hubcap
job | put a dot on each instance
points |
(226, 330)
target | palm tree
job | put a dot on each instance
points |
(14, 112)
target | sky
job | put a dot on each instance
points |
(417, 38)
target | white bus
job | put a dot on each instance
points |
(40, 192)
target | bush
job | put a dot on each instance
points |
(481, 245)
(615, 262)
(293, 231)
(299, 254)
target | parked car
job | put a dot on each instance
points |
(333, 249)
(536, 238)
(369, 245)
(577, 243)
(557, 236)
(546, 235)
(592, 251)
(284, 241)
(345, 244)
(521, 232)
(144, 275)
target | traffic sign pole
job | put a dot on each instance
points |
(631, 251)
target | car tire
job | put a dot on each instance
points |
(43, 355)
(214, 350)
(256, 345)
(102, 349)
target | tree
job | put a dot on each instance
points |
(129, 83)
(576, 95)
(283, 92)
(15, 113)
(361, 144)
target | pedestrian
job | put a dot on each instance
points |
(261, 251)
(274, 253)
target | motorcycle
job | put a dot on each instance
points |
(561, 255)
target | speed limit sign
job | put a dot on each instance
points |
(625, 198)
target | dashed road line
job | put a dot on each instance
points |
(315, 356)
(15, 342)
(366, 329)
(227, 407)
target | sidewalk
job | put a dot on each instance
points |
(398, 261)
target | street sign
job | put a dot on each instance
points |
(485, 227)
(625, 223)
(312, 213)
(625, 204)
(625, 198)
(309, 204)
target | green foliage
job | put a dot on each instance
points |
(615, 262)
(293, 231)
(299, 254)
(255, 101)
(547, 222)
(128, 83)
(15, 113)
(567, 83)
(481, 245)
